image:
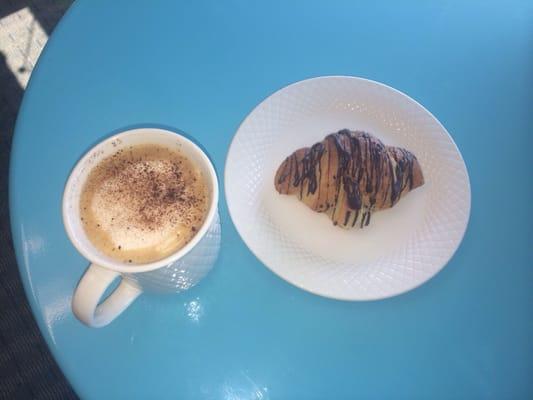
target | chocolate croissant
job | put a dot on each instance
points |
(349, 175)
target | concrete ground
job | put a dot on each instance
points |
(27, 370)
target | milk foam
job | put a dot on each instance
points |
(142, 204)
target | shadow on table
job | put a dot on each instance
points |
(27, 370)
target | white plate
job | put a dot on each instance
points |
(402, 247)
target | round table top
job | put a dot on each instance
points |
(243, 333)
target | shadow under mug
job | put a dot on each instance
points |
(175, 273)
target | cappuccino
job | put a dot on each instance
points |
(143, 203)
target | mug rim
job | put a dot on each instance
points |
(111, 264)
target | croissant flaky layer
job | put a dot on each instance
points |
(349, 175)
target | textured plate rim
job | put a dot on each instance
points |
(393, 293)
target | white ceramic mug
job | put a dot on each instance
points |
(177, 272)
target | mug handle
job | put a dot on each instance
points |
(90, 290)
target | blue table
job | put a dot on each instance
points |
(243, 333)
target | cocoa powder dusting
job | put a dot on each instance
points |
(154, 192)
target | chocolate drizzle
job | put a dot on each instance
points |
(309, 168)
(366, 175)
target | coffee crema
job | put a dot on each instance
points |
(143, 203)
